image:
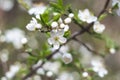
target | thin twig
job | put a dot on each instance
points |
(88, 48)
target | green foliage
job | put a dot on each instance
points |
(67, 34)
(102, 16)
(115, 6)
(57, 6)
(25, 5)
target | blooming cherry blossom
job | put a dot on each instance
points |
(86, 16)
(37, 10)
(98, 28)
(99, 68)
(33, 25)
(56, 39)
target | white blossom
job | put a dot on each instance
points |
(85, 74)
(99, 68)
(37, 77)
(52, 66)
(71, 15)
(65, 76)
(67, 20)
(40, 71)
(3, 78)
(56, 39)
(6, 5)
(37, 10)
(112, 50)
(86, 16)
(63, 49)
(54, 24)
(24, 40)
(4, 56)
(33, 25)
(98, 27)
(37, 64)
(14, 36)
(49, 74)
(12, 72)
(67, 58)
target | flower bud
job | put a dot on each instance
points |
(71, 15)
(67, 58)
(54, 24)
(68, 20)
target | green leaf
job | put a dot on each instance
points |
(67, 34)
(102, 16)
(115, 6)
(60, 2)
(55, 6)
(56, 17)
(99, 36)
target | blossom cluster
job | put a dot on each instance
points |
(87, 16)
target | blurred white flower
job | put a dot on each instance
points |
(99, 68)
(112, 50)
(37, 77)
(4, 56)
(24, 40)
(65, 76)
(67, 58)
(33, 25)
(71, 15)
(85, 74)
(37, 64)
(86, 55)
(67, 20)
(37, 9)
(3, 78)
(6, 5)
(52, 66)
(40, 71)
(12, 72)
(63, 49)
(14, 36)
(56, 39)
(86, 16)
(98, 27)
(2, 38)
(49, 74)
(54, 24)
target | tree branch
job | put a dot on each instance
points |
(33, 71)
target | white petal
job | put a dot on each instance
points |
(30, 27)
(38, 26)
(86, 12)
(66, 28)
(50, 41)
(56, 45)
(60, 33)
(62, 40)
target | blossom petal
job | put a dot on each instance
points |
(62, 40)
(56, 45)
(50, 41)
